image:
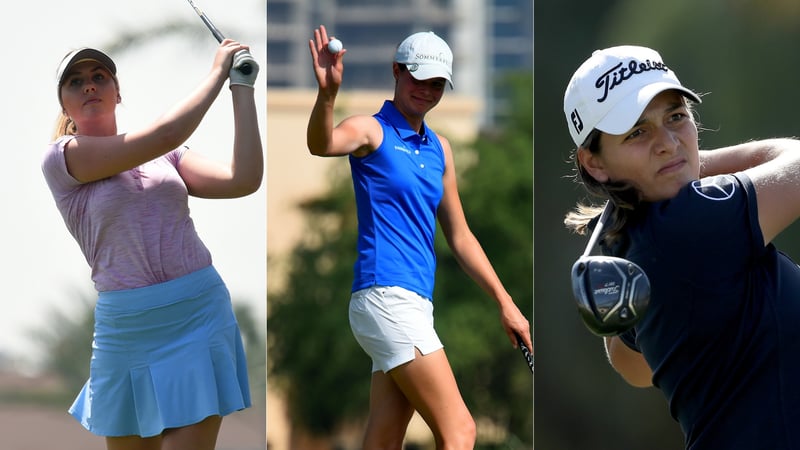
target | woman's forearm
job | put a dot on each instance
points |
(744, 156)
(248, 155)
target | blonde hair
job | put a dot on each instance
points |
(64, 126)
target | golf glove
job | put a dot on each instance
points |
(237, 76)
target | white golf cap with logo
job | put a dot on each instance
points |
(611, 89)
(426, 56)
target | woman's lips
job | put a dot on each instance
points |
(672, 166)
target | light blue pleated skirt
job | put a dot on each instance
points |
(163, 356)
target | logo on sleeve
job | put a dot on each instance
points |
(720, 187)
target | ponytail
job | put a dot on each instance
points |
(64, 126)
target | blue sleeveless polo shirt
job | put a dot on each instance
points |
(398, 188)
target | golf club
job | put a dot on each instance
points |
(525, 351)
(242, 60)
(612, 293)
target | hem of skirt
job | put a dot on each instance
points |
(112, 433)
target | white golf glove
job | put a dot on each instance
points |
(243, 62)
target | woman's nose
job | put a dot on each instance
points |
(666, 141)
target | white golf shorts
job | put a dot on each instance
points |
(389, 322)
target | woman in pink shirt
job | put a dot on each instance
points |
(167, 357)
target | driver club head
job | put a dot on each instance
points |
(612, 293)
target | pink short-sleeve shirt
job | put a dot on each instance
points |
(133, 228)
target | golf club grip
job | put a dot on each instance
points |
(243, 62)
(525, 351)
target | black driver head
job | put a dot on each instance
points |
(612, 293)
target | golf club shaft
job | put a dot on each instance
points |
(244, 56)
(598, 229)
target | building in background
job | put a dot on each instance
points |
(488, 37)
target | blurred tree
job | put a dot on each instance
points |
(312, 354)
(313, 357)
(255, 347)
(66, 340)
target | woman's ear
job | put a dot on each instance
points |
(593, 164)
(395, 71)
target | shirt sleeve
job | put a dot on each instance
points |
(54, 168)
(629, 338)
(174, 156)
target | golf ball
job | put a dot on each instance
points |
(334, 45)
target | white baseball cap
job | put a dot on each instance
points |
(426, 56)
(611, 89)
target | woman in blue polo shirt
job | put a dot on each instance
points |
(720, 336)
(404, 180)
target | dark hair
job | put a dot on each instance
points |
(623, 196)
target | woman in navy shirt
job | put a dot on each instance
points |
(720, 336)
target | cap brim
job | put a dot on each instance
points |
(628, 110)
(81, 55)
(428, 71)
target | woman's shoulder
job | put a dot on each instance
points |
(54, 166)
(711, 208)
(54, 150)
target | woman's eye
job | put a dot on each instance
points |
(677, 117)
(633, 134)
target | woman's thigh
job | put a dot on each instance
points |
(430, 387)
(199, 436)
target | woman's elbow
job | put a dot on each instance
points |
(636, 379)
(251, 187)
(319, 150)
